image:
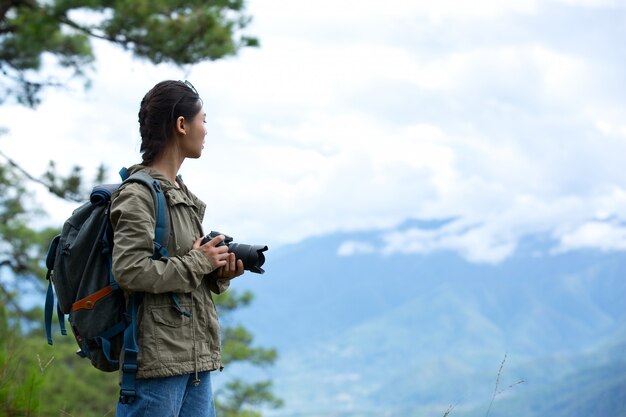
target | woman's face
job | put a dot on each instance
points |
(192, 142)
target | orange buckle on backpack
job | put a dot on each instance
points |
(90, 301)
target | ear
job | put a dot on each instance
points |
(180, 126)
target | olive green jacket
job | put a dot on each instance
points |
(170, 343)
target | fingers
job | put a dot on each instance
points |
(211, 243)
(219, 257)
(215, 241)
(214, 250)
(227, 265)
(230, 267)
(233, 268)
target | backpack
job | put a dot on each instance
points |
(79, 263)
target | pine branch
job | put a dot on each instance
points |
(50, 187)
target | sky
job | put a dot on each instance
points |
(506, 119)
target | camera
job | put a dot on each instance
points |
(251, 255)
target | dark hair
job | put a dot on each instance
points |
(159, 109)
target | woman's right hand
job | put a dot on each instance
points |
(217, 255)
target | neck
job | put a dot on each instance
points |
(168, 164)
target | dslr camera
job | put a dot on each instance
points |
(251, 255)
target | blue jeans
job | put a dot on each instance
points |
(174, 396)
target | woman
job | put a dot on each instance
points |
(178, 347)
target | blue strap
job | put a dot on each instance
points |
(162, 221)
(176, 305)
(61, 317)
(161, 229)
(50, 259)
(48, 311)
(105, 340)
(124, 173)
(106, 250)
(131, 349)
(159, 251)
(160, 239)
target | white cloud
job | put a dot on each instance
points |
(593, 3)
(348, 11)
(607, 236)
(365, 116)
(351, 247)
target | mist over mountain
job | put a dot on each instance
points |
(373, 334)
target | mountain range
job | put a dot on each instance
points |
(400, 335)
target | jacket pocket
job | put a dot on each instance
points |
(185, 226)
(172, 334)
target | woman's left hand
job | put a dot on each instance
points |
(232, 269)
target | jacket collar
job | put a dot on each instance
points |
(166, 184)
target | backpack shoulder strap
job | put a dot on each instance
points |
(161, 235)
(162, 230)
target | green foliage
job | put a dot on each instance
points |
(70, 187)
(70, 379)
(236, 339)
(20, 246)
(170, 31)
(237, 347)
(36, 379)
(230, 301)
(19, 384)
(27, 31)
(238, 398)
(42, 380)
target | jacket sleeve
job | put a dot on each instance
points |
(217, 285)
(133, 221)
